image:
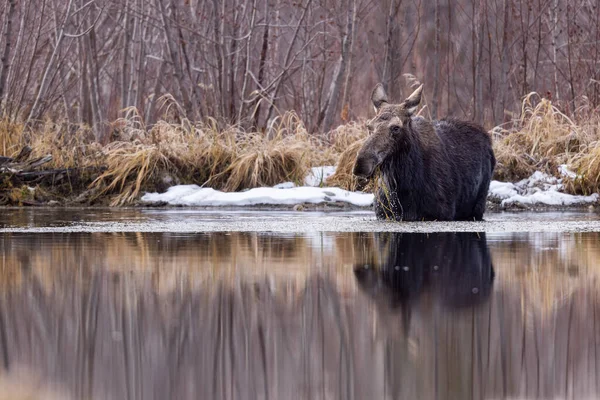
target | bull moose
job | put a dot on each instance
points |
(427, 170)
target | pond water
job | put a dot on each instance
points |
(313, 315)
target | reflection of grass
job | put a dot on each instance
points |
(548, 274)
(21, 384)
(545, 276)
(171, 259)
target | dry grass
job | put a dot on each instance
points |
(587, 166)
(346, 141)
(11, 134)
(544, 138)
(266, 162)
(178, 151)
(201, 153)
(343, 176)
(130, 166)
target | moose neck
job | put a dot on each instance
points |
(403, 171)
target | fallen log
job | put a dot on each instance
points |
(22, 169)
(22, 163)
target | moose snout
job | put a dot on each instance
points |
(364, 166)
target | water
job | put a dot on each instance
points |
(59, 220)
(313, 315)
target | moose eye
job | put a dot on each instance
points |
(384, 117)
(395, 129)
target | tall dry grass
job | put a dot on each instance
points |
(543, 138)
(178, 151)
(228, 159)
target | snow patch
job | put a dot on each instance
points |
(564, 170)
(539, 188)
(502, 190)
(551, 198)
(193, 195)
(318, 175)
(285, 185)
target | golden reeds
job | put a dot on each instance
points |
(176, 150)
(542, 139)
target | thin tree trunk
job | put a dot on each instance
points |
(569, 57)
(336, 84)
(480, 111)
(125, 72)
(142, 61)
(555, 33)
(14, 65)
(4, 60)
(262, 62)
(36, 108)
(94, 83)
(436, 63)
(346, 92)
(448, 59)
(233, 65)
(504, 63)
(247, 66)
(474, 58)
(172, 50)
(154, 94)
(218, 40)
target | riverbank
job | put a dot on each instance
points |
(61, 164)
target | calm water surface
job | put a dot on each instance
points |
(306, 316)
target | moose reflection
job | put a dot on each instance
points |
(453, 268)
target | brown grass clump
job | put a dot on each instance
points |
(346, 141)
(281, 154)
(343, 176)
(540, 140)
(201, 153)
(11, 137)
(544, 138)
(587, 167)
(71, 146)
(267, 162)
(130, 166)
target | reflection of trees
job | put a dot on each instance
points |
(116, 337)
(92, 313)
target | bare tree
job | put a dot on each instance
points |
(247, 61)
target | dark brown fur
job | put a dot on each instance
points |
(438, 170)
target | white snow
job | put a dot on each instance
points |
(564, 170)
(551, 198)
(539, 188)
(502, 190)
(318, 175)
(193, 195)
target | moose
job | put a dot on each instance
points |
(425, 170)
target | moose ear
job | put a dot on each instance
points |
(413, 101)
(378, 97)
